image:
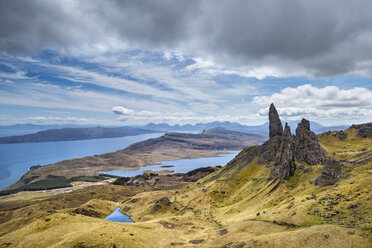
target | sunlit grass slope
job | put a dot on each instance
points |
(236, 206)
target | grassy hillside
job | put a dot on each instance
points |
(236, 206)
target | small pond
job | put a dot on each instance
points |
(178, 166)
(117, 216)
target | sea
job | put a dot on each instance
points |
(16, 159)
(179, 166)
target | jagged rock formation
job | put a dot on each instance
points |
(275, 127)
(307, 147)
(283, 149)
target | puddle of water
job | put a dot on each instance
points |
(117, 216)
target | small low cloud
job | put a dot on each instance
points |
(122, 111)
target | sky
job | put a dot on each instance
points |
(188, 61)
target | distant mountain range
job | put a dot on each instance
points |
(23, 133)
(234, 126)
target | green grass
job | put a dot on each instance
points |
(46, 184)
(88, 178)
(201, 169)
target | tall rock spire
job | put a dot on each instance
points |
(284, 164)
(275, 125)
(307, 147)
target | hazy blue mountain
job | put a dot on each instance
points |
(21, 133)
(234, 126)
(21, 129)
(81, 133)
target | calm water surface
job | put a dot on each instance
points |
(179, 166)
(16, 159)
(117, 216)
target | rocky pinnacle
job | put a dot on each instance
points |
(307, 147)
(284, 164)
(283, 149)
(275, 127)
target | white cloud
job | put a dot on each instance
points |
(14, 76)
(140, 117)
(121, 110)
(309, 112)
(308, 95)
(326, 103)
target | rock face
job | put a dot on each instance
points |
(284, 164)
(307, 147)
(283, 150)
(275, 127)
(364, 130)
(331, 172)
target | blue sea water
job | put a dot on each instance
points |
(117, 216)
(16, 159)
(179, 166)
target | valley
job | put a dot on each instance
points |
(170, 146)
(305, 200)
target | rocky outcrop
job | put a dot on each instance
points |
(364, 130)
(161, 203)
(269, 149)
(275, 126)
(283, 150)
(86, 212)
(307, 147)
(284, 164)
(331, 172)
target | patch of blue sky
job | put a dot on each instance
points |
(54, 58)
(348, 81)
(10, 88)
(22, 110)
(178, 65)
(5, 67)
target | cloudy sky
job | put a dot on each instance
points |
(135, 62)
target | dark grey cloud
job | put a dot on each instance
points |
(316, 38)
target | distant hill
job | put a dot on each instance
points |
(68, 134)
(234, 126)
(28, 128)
